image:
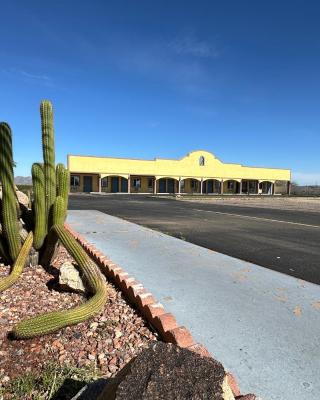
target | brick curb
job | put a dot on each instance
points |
(163, 322)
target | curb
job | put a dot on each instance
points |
(152, 311)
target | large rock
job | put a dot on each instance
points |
(69, 278)
(23, 199)
(165, 371)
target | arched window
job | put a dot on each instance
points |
(201, 161)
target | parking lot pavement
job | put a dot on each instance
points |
(285, 240)
(262, 325)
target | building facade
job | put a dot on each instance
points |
(199, 172)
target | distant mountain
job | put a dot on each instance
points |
(23, 180)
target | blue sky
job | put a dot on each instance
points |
(149, 79)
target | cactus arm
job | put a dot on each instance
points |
(39, 205)
(53, 321)
(59, 211)
(17, 269)
(48, 157)
(63, 183)
(9, 210)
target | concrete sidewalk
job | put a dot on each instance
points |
(262, 325)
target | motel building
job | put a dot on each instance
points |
(199, 172)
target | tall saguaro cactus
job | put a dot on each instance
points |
(51, 191)
(46, 113)
(9, 210)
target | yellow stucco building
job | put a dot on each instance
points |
(198, 172)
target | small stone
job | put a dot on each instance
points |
(91, 357)
(112, 368)
(118, 333)
(69, 278)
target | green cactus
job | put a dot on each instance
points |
(53, 321)
(9, 210)
(17, 269)
(51, 190)
(39, 206)
(63, 183)
(48, 157)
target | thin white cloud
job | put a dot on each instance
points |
(306, 178)
(28, 76)
(190, 45)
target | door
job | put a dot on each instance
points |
(124, 185)
(87, 184)
(170, 185)
(162, 186)
(210, 186)
(114, 184)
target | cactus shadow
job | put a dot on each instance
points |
(72, 389)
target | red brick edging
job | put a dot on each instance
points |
(163, 322)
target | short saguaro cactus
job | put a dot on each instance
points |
(41, 228)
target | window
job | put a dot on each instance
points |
(150, 183)
(104, 182)
(201, 161)
(75, 180)
(137, 183)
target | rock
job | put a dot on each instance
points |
(23, 199)
(168, 372)
(69, 278)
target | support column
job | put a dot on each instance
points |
(221, 186)
(155, 186)
(129, 184)
(99, 183)
(272, 189)
(201, 186)
(179, 186)
(240, 189)
(289, 188)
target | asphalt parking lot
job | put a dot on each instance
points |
(279, 238)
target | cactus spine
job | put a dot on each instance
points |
(48, 157)
(9, 209)
(39, 205)
(17, 269)
(53, 321)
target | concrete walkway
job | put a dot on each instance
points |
(262, 325)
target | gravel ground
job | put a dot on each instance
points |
(281, 203)
(108, 341)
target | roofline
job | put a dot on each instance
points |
(174, 159)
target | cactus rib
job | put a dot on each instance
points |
(9, 210)
(17, 269)
(39, 206)
(48, 157)
(55, 320)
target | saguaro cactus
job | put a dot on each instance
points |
(9, 210)
(46, 113)
(51, 190)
